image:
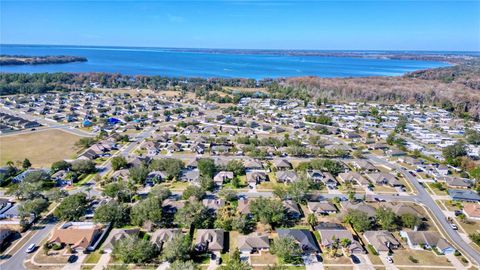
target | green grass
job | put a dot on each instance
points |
(93, 257)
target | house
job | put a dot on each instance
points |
(329, 181)
(455, 182)
(117, 235)
(252, 165)
(363, 165)
(155, 177)
(400, 209)
(353, 177)
(120, 175)
(303, 237)
(244, 206)
(472, 211)
(191, 176)
(253, 243)
(315, 175)
(464, 195)
(172, 206)
(351, 135)
(362, 207)
(384, 179)
(256, 177)
(321, 208)
(420, 240)
(282, 164)
(210, 240)
(286, 176)
(162, 236)
(329, 237)
(442, 170)
(221, 177)
(213, 204)
(381, 241)
(291, 209)
(79, 235)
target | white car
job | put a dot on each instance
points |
(30, 248)
(389, 259)
(453, 226)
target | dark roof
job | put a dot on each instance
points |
(463, 195)
(303, 237)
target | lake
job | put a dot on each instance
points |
(167, 62)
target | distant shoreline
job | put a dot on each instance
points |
(15, 60)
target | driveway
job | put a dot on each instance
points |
(77, 264)
(365, 263)
(388, 266)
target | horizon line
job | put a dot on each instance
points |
(244, 49)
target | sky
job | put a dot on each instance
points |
(322, 25)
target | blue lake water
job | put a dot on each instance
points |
(165, 62)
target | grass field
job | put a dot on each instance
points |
(42, 148)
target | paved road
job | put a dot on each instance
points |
(425, 198)
(16, 261)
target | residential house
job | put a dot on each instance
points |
(116, 235)
(303, 237)
(210, 240)
(420, 240)
(282, 165)
(472, 211)
(464, 195)
(291, 209)
(286, 177)
(330, 237)
(321, 208)
(221, 177)
(354, 178)
(381, 241)
(79, 235)
(253, 243)
(161, 236)
(384, 179)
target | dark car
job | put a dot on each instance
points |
(72, 258)
(355, 259)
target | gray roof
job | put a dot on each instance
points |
(303, 237)
(253, 241)
(381, 240)
(464, 195)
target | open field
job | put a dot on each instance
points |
(41, 148)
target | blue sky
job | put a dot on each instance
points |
(362, 25)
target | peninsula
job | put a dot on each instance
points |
(38, 60)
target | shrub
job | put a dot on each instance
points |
(56, 246)
(372, 250)
(457, 253)
(412, 259)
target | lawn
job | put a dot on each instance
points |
(93, 257)
(264, 258)
(424, 257)
(42, 148)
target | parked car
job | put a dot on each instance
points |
(454, 226)
(389, 259)
(355, 259)
(30, 248)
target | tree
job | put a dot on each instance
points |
(173, 167)
(85, 142)
(118, 163)
(234, 262)
(179, 265)
(243, 224)
(410, 220)
(160, 192)
(472, 136)
(34, 206)
(139, 174)
(194, 191)
(207, 167)
(193, 214)
(287, 249)
(345, 242)
(60, 165)
(268, 211)
(206, 183)
(113, 212)
(298, 190)
(358, 219)
(119, 191)
(401, 124)
(147, 210)
(26, 164)
(453, 151)
(386, 218)
(177, 249)
(312, 220)
(72, 208)
(236, 166)
(132, 250)
(31, 186)
(83, 166)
